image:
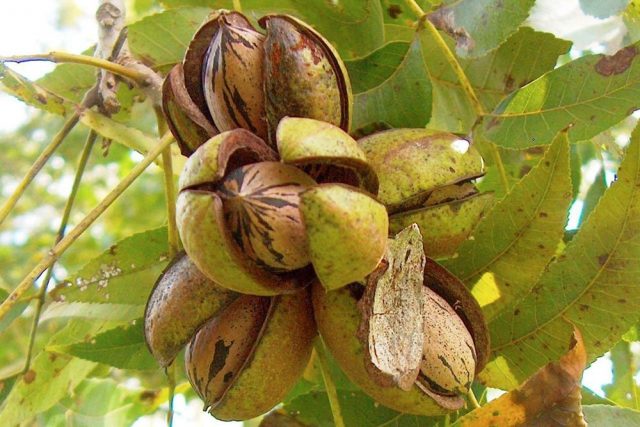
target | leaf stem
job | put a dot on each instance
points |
(169, 190)
(329, 385)
(472, 399)
(478, 108)
(415, 8)
(456, 67)
(64, 244)
(171, 376)
(65, 57)
(42, 159)
(82, 163)
(497, 159)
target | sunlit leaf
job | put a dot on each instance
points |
(354, 27)
(129, 137)
(391, 87)
(592, 285)
(50, 379)
(607, 416)
(603, 8)
(624, 389)
(124, 274)
(551, 397)
(122, 347)
(113, 312)
(587, 95)
(517, 238)
(30, 93)
(481, 25)
(161, 40)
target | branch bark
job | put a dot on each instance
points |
(110, 16)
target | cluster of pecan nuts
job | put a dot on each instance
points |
(286, 223)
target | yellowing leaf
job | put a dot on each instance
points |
(517, 238)
(30, 93)
(549, 398)
(593, 285)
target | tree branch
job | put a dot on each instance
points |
(110, 16)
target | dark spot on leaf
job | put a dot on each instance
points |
(602, 259)
(53, 357)
(148, 395)
(113, 250)
(546, 163)
(452, 170)
(508, 83)
(394, 11)
(540, 246)
(597, 344)
(617, 63)
(227, 377)
(495, 413)
(622, 300)
(444, 19)
(493, 123)
(584, 307)
(29, 376)
(516, 312)
(543, 215)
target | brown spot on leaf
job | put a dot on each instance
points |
(148, 395)
(584, 307)
(444, 20)
(543, 214)
(29, 376)
(509, 83)
(516, 312)
(394, 11)
(617, 63)
(602, 259)
(493, 123)
(113, 250)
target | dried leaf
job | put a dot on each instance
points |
(551, 397)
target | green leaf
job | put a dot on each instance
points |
(49, 380)
(391, 87)
(69, 81)
(593, 286)
(607, 416)
(481, 25)
(30, 93)
(603, 8)
(451, 109)
(624, 389)
(124, 274)
(129, 137)
(517, 238)
(357, 410)
(105, 403)
(514, 64)
(13, 313)
(593, 196)
(122, 347)
(588, 95)
(112, 312)
(354, 27)
(161, 40)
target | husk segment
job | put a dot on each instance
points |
(347, 233)
(309, 144)
(411, 163)
(187, 123)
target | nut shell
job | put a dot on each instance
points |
(338, 318)
(261, 203)
(303, 75)
(449, 358)
(232, 76)
(271, 367)
(181, 289)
